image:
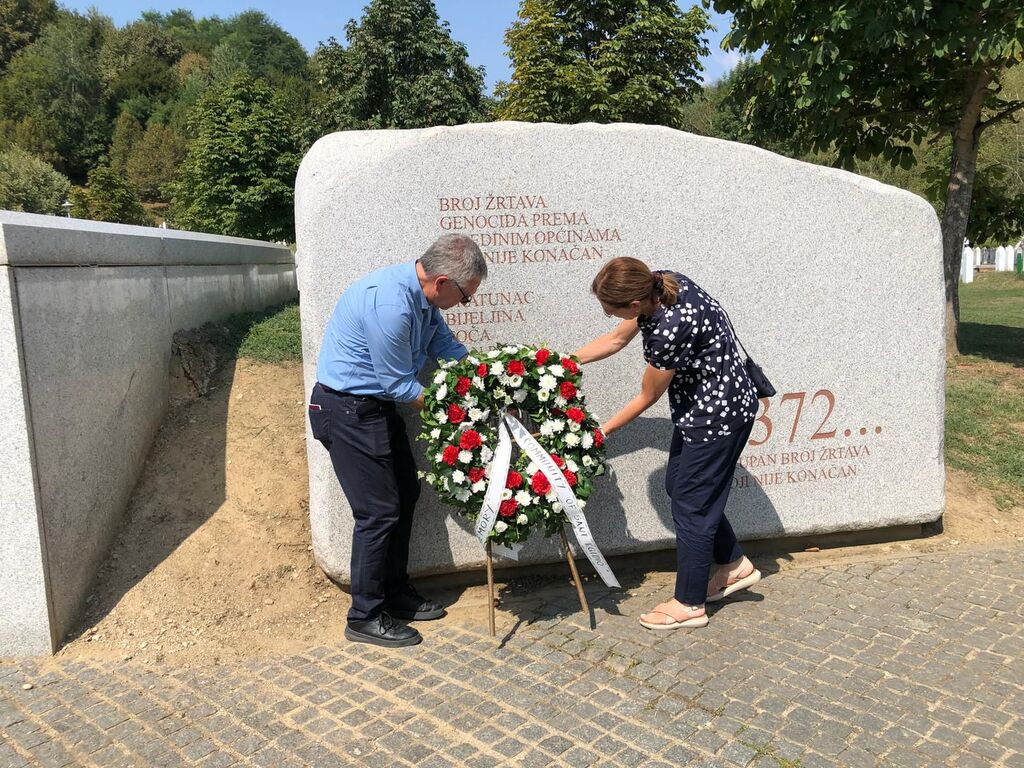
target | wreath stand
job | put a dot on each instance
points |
(492, 602)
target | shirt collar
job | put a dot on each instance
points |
(416, 288)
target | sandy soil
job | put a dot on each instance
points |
(214, 560)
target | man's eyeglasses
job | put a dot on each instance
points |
(465, 300)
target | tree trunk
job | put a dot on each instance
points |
(957, 212)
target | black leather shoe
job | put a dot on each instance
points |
(382, 630)
(412, 606)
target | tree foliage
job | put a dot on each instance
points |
(605, 61)
(30, 184)
(154, 160)
(401, 69)
(109, 196)
(21, 21)
(239, 174)
(877, 78)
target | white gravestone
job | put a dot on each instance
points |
(853, 342)
(967, 266)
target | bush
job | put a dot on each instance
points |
(28, 184)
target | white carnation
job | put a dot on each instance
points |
(556, 370)
(561, 402)
(531, 469)
(438, 458)
(465, 457)
(486, 454)
(551, 495)
(442, 392)
(500, 527)
(479, 485)
(547, 429)
(473, 360)
(478, 382)
(493, 353)
(572, 466)
(541, 370)
(522, 519)
(442, 417)
(587, 441)
(547, 381)
(475, 414)
(524, 498)
(506, 494)
(556, 507)
(435, 433)
(497, 368)
(520, 395)
(439, 377)
(511, 350)
(572, 440)
(462, 494)
(581, 503)
(458, 477)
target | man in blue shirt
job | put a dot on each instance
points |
(382, 331)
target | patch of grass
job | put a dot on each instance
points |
(985, 388)
(272, 336)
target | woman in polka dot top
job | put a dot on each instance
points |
(691, 353)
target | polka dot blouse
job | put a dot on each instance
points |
(711, 395)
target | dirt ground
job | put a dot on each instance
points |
(214, 561)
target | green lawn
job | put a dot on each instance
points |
(985, 388)
(272, 336)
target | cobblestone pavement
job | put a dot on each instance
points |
(910, 662)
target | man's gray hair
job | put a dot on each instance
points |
(456, 256)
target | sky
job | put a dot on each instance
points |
(479, 25)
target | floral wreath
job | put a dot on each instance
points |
(462, 409)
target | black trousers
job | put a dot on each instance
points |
(698, 479)
(372, 458)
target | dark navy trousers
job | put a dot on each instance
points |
(698, 480)
(372, 458)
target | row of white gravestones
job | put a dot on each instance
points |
(1002, 258)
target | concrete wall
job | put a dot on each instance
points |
(87, 312)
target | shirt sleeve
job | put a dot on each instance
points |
(444, 344)
(388, 338)
(669, 345)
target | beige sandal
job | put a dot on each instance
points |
(669, 611)
(735, 585)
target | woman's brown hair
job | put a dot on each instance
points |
(624, 280)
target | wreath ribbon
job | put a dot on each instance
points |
(509, 429)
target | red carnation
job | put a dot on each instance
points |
(542, 356)
(570, 477)
(598, 438)
(516, 367)
(514, 479)
(481, 370)
(508, 507)
(558, 460)
(455, 414)
(462, 387)
(539, 483)
(470, 439)
(476, 474)
(576, 415)
(568, 390)
(570, 365)
(451, 453)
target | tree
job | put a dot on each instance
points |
(878, 77)
(109, 196)
(30, 184)
(136, 64)
(604, 60)
(401, 69)
(154, 160)
(239, 174)
(127, 132)
(56, 83)
(21, 21)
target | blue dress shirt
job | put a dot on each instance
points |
(380, 335)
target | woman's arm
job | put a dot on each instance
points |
(609, 343)
(653, 386)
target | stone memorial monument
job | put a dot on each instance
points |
(853, 342)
